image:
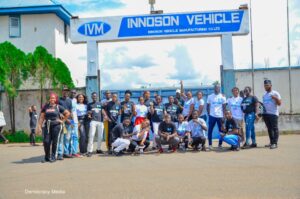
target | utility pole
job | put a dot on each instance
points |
(251, 41)
(289, 54)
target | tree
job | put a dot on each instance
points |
(14, 69)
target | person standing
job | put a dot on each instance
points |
(271, 101)
(2, 124)
(113, 110)
(127, 107)
(200, 106)
(250, 109)
(54, 116)
(178, 100)
(167, 134)
(96, 114)
(196, 128)
(81, 113)
(105, 122)
(147, 99)
(141, 111)
(74, 134)
(65, 142)
(235, 106)
(216, 105)
(33, 122)
(172, 109)
(121, 135)
(231, 134)
(157, 110)
(189, 103)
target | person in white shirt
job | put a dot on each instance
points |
(235, 106)
(216, 105)
(141, 111)
(197, 128)
(139, 137)
(271, 101)
(200, 106)
(189, 103)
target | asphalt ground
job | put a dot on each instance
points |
(250, 173)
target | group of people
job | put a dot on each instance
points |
(69, 123)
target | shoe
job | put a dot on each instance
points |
(160, 150)
(60, 157)
(67, 156)
(235, 148)
(273, 146)
(89, 154)
(77, 155)
(246, 146)
(203, 148)
(52, 160)
(45, 160)
(154, 148)
(220, 147)
(117, 153)
(210, 147)
(6, 142)
(253, 145)
(268, 145)
(174, 149)
(99, 151)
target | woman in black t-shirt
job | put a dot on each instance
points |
(54, 116)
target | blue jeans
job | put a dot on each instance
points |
(211, 124)
(68, 140)
(250, 128)
(232, 140)
(74, 139)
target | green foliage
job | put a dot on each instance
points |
(20, 137)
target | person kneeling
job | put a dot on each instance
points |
(167, 134)
(121, 135)
(231, 133)
(139, 139)
(197, 128)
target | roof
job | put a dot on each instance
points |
(267, 69)
(12, 7)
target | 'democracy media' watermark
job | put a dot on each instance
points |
(44, 192)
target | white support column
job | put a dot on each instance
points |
(227, 51)
(92, 67)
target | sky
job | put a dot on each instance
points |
(196, 61)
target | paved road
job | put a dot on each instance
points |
(252, 173)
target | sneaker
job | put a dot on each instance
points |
(154, 148)
(52, 160)
(203, 148)
(253, 145)
(45, 160)
(89, 154)
(235, 148)
(273, 146)
(117, 153)
(268, 145)
(99, 151)
(6, 142)
(77, 155)
(174, 149)
(67, 156)
(210, 147)
(160, 150)
(246, 146)
(60, 157)
(220, 147)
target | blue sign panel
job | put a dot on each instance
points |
(192, 23)
(95, 28)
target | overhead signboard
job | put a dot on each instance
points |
(162, 26)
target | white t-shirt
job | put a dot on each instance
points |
(81, 109)
(74, 112)
(141, 110)
(196, 129)
(136, 131)
(270, 104)
(234, 104)
(181, 128)
(216, 104)
(199, 103)
(186, 106)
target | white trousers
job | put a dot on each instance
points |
(120, 144)
(155, 133)
(95, 126)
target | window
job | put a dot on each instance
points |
(14, 26)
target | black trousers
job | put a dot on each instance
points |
(271, 122)
(51, 139)
(111, 125)
(32, 136)
(83, 135)
(197, 141)
(134, 144)
(185, 140)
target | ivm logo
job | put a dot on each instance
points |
(92, 29)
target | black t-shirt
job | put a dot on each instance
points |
(173, 110)
(113, 111)
(120, 130)
(167, 127)
(126, 112)
(66, 103)
(230, 125)
(147, 102)
(158, 114)
(95, 108)
(33, 119)
(180, 102)
(53, 112)
(248, 104)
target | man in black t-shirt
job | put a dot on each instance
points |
(121, 134)
(172, 109)
(249, 106)
(167, 134)
(157, 110)
(127, 107)
(113, 110)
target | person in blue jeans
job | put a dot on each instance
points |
(216, 105)
(250, 108)
(231, 132)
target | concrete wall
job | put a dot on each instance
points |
(280, 81)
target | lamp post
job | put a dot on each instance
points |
(289, 54)
(151, 2)
(251, 41)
